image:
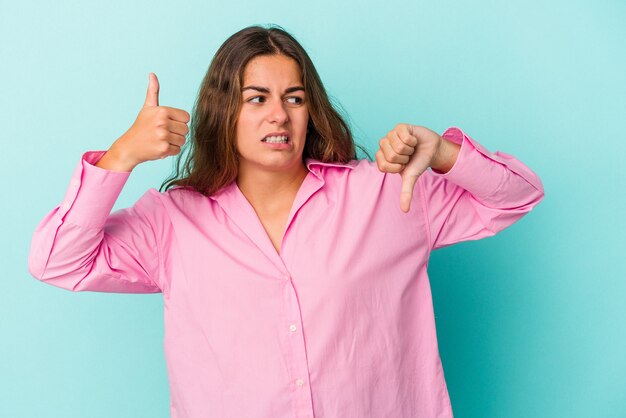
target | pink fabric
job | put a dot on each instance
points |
(340, 324)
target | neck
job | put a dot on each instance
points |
(270, 191)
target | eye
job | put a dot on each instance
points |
(252, 100)
(298, 100)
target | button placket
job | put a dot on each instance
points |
(298, 364)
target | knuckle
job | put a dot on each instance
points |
(162, 134)
(162, 115)
(164, 147)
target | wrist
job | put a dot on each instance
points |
(445, 157)
(114, 160)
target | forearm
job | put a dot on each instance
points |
(80, 245)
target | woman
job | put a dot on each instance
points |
(294, 284)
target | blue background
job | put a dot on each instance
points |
(530, 322)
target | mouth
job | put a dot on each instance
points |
(277, 138)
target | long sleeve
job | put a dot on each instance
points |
(81, 246)
(482, 194)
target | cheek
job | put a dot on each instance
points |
(303, 120)
(242, 122)
(244, 128)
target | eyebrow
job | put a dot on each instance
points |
(266, 90)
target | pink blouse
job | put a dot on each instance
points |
(339, 324)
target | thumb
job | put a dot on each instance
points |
(406, 193)
(152, 96)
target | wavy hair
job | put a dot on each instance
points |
(213, 161)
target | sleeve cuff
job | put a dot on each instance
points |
(477, 169)
(92, 192)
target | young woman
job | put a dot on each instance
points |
(294, 276)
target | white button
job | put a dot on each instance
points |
(300, 382)
(292, 328)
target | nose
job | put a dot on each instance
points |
(277, 112)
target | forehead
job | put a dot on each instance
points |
(271, 69)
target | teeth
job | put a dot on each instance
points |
(276, 139)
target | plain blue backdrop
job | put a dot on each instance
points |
(530, 321)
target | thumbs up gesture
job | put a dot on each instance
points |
(408, 150)
(158, 132)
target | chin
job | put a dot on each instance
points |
(272, 162)
(283, 163)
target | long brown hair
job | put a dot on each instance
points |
(213, 161)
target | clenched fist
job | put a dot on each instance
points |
(158, 132)
(410, 150)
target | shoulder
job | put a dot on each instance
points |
(156, 202)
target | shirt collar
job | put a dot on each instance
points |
(314, 166)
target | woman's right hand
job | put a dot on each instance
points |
(158, 132)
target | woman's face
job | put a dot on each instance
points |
(273, 104)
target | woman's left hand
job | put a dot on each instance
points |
(408, 150)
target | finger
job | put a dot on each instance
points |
(406, 192)
(152, 96)
(423, 132)
(385, 166)
(406, 135)
(410, 175)
(176, 127)
(174, 149)
(399, 145)
(390, 154)
(175, 139)
(178, 115)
